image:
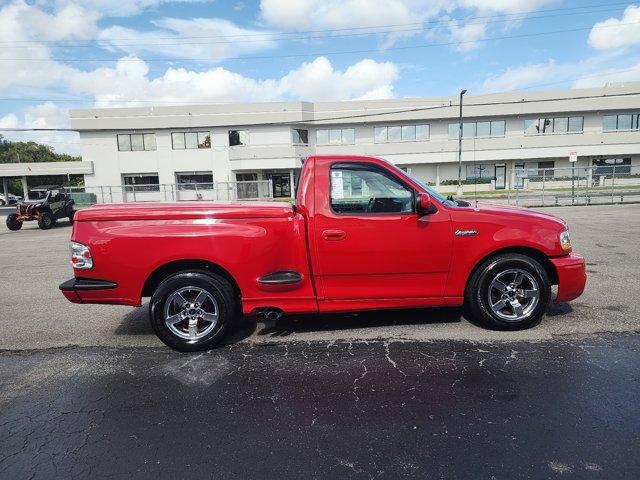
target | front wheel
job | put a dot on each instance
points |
(509, 292)
(45, 222)
(191, 311)
(72, 214)
(13, 223)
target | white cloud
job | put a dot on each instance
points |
(505, 6)
(607, 75)
(44, 115)
(595, 71)
(468, 35)
(617, 33)
(207, 40)
(318, 80)
(119, 8)
(514, 78)
(336, 14)
(406, 17)
(9, 121)
(129, 83)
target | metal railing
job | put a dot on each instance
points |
(565, 186)
(216, 191)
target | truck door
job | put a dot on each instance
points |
(370, 242)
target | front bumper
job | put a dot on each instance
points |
(75, 289)
(572, 276)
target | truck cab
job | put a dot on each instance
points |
(362, 235)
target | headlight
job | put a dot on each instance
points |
(80, 256)
(565, 242)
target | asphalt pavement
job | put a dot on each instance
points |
(34, 314)
(359, 410)
(87, 391)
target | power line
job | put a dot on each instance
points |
(311, 54)
(376, 114)
(178, 41)
(503, 16)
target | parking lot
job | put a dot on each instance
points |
(34, 314)
(88, 390)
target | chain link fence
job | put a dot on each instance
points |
(542, 187)
(217, 191)
(547, 187)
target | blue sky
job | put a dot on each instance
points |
(63, 54)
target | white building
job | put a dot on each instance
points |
(259, 141)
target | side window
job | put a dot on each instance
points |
(361, 189)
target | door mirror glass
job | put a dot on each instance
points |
(424, 205)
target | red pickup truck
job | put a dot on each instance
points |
(362, 235)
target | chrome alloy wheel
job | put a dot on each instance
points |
(513, 294)
(191, 313)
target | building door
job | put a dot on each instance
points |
(501, 177)
(519, 174)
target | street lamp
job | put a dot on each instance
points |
(459, 192)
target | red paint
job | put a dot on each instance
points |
(348, 262)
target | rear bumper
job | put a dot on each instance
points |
(572, 276)
(81, 290)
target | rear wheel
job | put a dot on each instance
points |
(13, 223)
(509, 292)
(45, 222)
(72, 214)
(191, 311)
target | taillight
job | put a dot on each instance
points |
(80, 256)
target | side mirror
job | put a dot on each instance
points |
(424, 205)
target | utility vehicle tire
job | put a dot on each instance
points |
(13, 223)
(192, 311)
(46, 221)
(508, 292)
(71, 215)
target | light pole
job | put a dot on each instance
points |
(459, 191)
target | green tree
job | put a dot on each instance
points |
(26, 152)
(31, 152)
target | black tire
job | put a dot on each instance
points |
(13, 223)
(477, 300)
(219, 289)
(71, 215)
(46, 221)
(2, 203)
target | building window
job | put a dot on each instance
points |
(545, 169)
(404, 133)
(479, 171)
(193, 180)
(238, 138)
(611, 166)
(362, 189)
(540, 126)
(141, 182)
(128, 142)
(300, 136)
(493, 128)
(190, 140)
(336, 136)
(611, 123)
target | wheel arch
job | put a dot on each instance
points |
(533, 253)
(186, 265)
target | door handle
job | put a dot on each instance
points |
(333, 234)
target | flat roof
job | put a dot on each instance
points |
(611, 97)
